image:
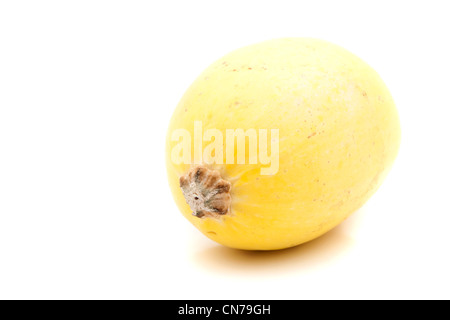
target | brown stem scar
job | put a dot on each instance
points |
(206, 193)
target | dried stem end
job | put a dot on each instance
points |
(206, 192)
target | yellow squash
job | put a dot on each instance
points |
(338, 135)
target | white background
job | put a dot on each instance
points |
(86, 92)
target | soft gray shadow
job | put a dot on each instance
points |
(310, 255)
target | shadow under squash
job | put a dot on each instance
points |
(307, 256)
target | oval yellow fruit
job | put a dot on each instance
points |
(319, 129)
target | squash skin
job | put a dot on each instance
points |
(339, 134)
